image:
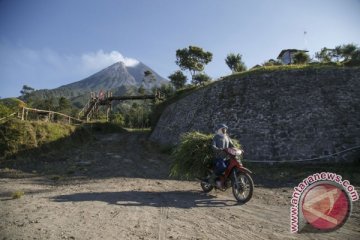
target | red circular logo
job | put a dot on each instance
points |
(326, 206)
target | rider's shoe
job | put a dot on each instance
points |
(219, 184)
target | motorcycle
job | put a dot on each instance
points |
(235, 176)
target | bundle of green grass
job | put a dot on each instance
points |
(194, 155)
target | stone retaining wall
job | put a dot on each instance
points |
(276, 115)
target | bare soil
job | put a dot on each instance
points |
(117, 187)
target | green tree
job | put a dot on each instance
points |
(178, 79)
(349, 54)
(355, 59)
(200, 79)
(326, 55)
(193, 59)
(167, 89)
(26, 90)
(346, 51)
(301, 58)
(64, 104)
(235, 62)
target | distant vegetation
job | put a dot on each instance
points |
(347, 54)
(194, 59)
(50, 103)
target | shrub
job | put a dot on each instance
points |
(301, 58)
(17, 136)
(117, 118)
(17, 194)
(4, 111)
(235, 62)
(193, 155)
(200, 79)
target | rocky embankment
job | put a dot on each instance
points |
(276, 115)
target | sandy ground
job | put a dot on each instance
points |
(126, 194)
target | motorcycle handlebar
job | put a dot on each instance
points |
(226, 150)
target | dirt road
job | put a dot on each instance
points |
(119, 189)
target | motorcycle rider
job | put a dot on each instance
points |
(220, 141)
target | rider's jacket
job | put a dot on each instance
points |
(221, 141)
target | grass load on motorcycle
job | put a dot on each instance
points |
(216, 160)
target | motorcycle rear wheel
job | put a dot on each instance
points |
(206, 186)
(242, 186)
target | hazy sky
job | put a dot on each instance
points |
(49, 43)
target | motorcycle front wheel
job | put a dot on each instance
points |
(242, 186)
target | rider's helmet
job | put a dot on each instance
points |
(219, 128)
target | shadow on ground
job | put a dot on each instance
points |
(176, 199)
(106, 155)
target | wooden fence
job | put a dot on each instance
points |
(8, 116)
(49, 114)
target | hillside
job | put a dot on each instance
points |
(112, 77)
(23, 137)
(118, 78)
(276, 115)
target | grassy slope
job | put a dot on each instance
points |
(18, 136)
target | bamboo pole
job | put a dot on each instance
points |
(50, 113)
(7, 116)
(107, 113)
(22, 115)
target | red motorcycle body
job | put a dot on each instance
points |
(235, 176)
(233, 163)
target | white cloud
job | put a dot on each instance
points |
(100, 59)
